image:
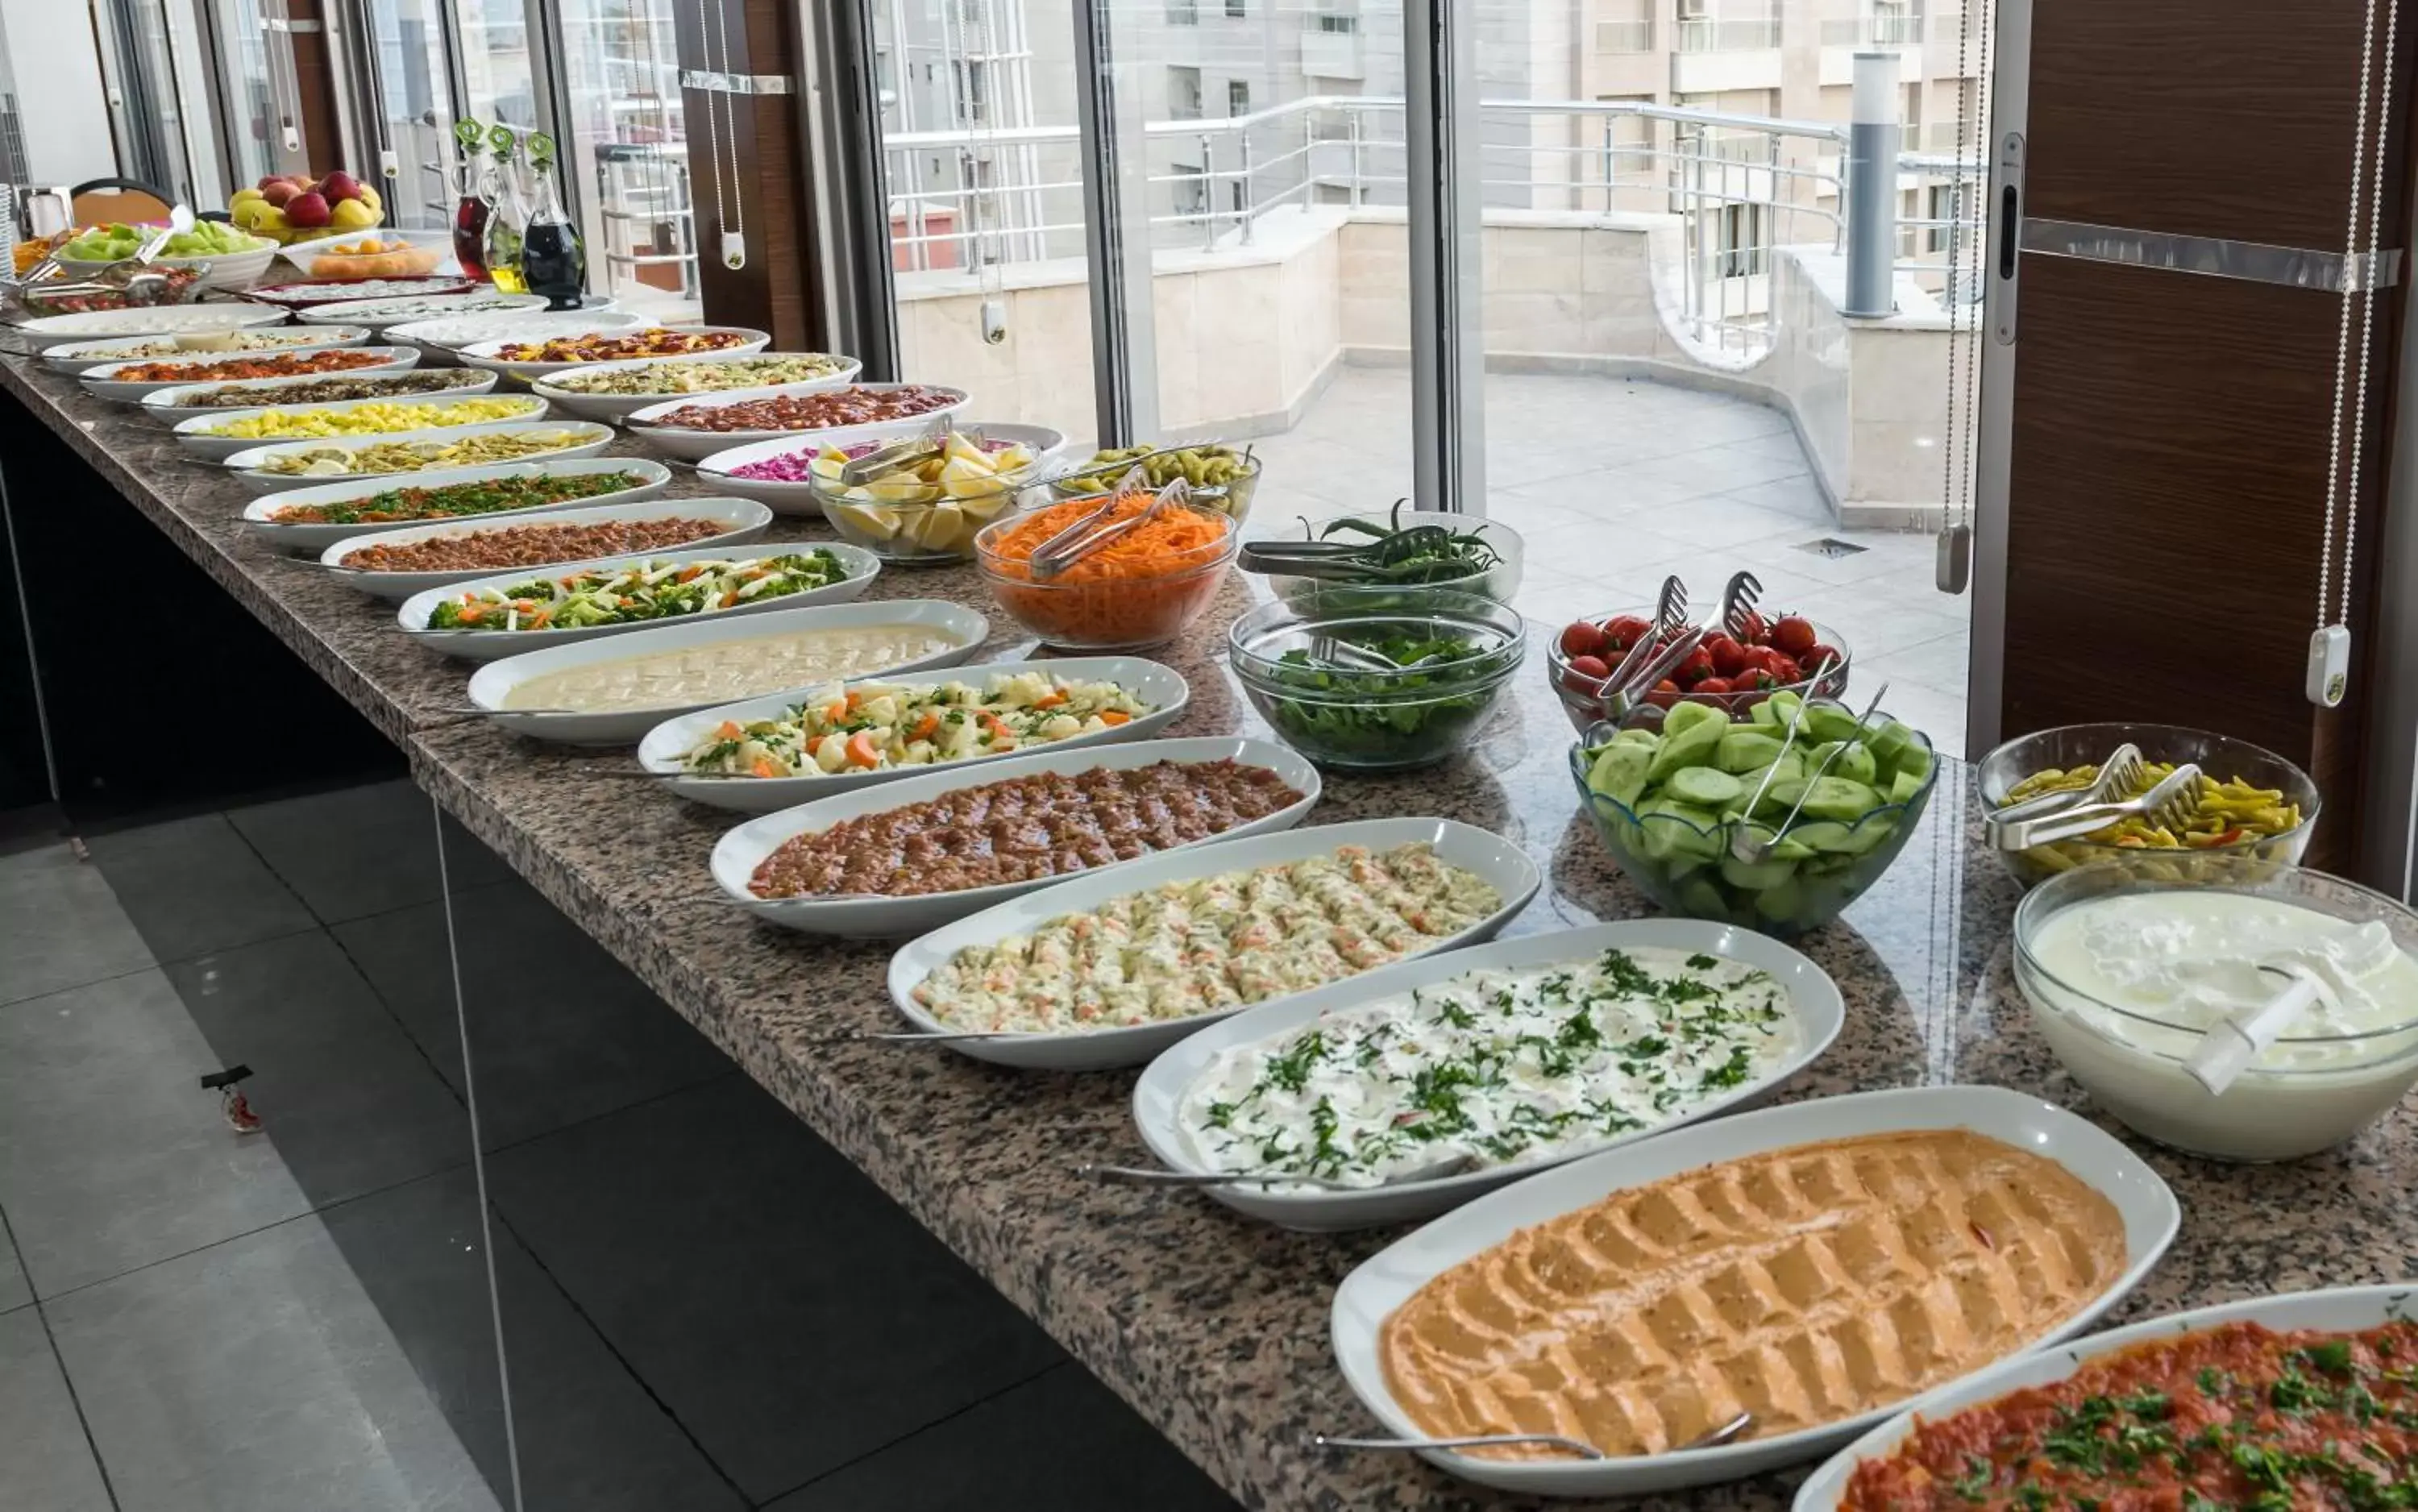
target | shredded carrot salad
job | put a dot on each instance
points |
(1140, 588)
(1177, 539)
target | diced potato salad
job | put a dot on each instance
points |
(874, 727)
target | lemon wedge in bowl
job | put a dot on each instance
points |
(876, 521)
(941, 528)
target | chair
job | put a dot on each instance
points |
(100, 201)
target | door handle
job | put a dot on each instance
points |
(2011, 237)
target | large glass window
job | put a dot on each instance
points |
(414, 110)
(628, 149)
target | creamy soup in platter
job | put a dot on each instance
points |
(726, 670)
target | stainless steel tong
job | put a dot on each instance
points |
(2169, 805)
(1737, 601)
(2117, 777)
(1751, 842)
(1088, 534)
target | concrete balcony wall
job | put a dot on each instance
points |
(1247, 337)
(1714, 73)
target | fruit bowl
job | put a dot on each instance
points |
(1670, 825)
(1577, 687)
(215, 270)
(2221, 758)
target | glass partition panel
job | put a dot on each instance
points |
(498, 64)
(628, 153)
(414, 111)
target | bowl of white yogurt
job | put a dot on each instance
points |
(2127, 975)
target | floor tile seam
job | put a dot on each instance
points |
(950, 1416)
(629, 1367)
(586, 1118)
(9, 1004)
(317, 1210)
(67, 1378)
(270, 866)
(395, 1018)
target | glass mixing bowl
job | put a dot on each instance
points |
(1338, 713)
(2302, 1094)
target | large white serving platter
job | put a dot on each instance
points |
(1813, 996)
(737, 854)
(439, 339)
(1162, 688)
(860, 566)
(248, 466)
(193, 434)
(258, 515)
(798, 499)
(219, 270)
(483, 354)
(302, 253)
(618, 406)
(1387, 1279)
(744, 520)
(394, 309)
(100, 383)
(151, 320)
(695, 444)
(170, 406)
(1497, 860)
(492, 684)
(78, 357)
(2335, 1309)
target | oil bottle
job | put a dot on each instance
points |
(554, 260)
(507, 213)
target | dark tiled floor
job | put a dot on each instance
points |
(703, 1306)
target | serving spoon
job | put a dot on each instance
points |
(1711, 1439)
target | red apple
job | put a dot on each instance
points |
(339, 186)
(307, 210)
(277, 191)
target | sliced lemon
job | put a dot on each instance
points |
(908, 490)
(873, 519)
(941, 528)
(985, 507)
(960, 449)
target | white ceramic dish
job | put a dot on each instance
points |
(1815, 997)
(483, 354)
(227, 270)
(1387, 1279)
(151, 320)
(1162, 688)
(743, 521)
(100, 381)
(79, 356)
(396, 309)
(439, 340)
(737, 854)
(860, 566)
(194, 434)
(618, 406)
(1497, 860)
(247, 466)
(2335, 1309)
(798, 499)
(695, 444)
(300, 253)
(172, 406)
(493, 683)
(258, 517)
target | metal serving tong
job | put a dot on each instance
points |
(2118, 776)
(1088, 534)
(1347, 561)
(2169, 805)
(1751, 842)
(1738, 600)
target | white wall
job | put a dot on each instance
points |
(58, 80)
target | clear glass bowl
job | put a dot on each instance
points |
(1688, 869)
(1500, 582)
(2220, 757)
(1376, 720)
(1577, 691)
(2302, 1094)
(1084, 612)
(1231, 498)
(912, 523)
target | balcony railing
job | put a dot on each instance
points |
(1737, 185)
(1624, 36)
(1892, 29)
(1707, 33)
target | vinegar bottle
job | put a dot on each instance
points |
(473, 185)
(554, 261)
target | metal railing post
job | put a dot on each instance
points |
(1873, 143)
(1353, 116)
(1249, 208)
(1208, 191)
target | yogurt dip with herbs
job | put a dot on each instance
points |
(1510, 1067)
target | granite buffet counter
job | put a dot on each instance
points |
(1214, 1327)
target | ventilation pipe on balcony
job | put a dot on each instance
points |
(1872, 140)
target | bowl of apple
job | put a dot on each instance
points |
(1730, 673)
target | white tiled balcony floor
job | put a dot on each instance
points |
(1614, 483)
